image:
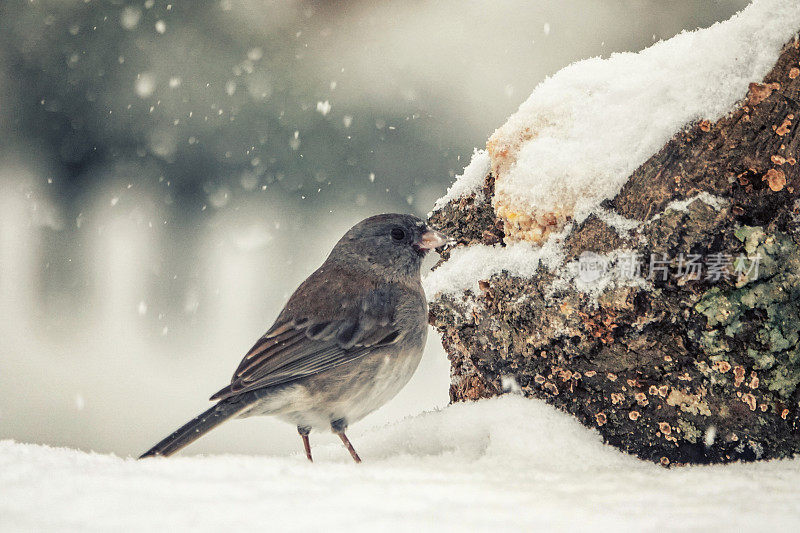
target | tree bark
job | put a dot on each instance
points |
(675, 370)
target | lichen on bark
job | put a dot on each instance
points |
(679, 369)
(767, 309)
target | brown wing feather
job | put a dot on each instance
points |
(269, 351)
(303, 357)
(298, 347)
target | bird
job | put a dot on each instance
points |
(346, 342)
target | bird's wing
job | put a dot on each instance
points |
(303, 346)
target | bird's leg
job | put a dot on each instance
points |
(338, 427)
(304, 431)
(349, 447)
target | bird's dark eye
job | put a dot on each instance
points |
(398, 234)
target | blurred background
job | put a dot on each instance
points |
(170, 171)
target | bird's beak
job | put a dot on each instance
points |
(432, 239)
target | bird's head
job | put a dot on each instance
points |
(392, 243)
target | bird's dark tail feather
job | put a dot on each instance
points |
(199, 426)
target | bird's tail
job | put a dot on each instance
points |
(199, 426)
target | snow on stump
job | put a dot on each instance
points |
(628, 247)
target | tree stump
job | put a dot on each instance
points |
(682, 368)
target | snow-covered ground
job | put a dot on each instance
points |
(493, 465)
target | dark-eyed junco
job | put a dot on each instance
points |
(347, 341)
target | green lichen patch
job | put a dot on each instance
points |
(760, 319)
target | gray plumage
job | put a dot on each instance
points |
(348, 339)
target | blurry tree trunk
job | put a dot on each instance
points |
(677, 370)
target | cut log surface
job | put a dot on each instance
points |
(694, 359)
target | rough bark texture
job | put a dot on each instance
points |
(676, 370)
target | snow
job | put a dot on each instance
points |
(467, 265)
(145, 85)
(470, 181)
(129, 17)
(715, 202)
(583, 131)
(622, 225)
(492, 465)
(323, 108)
